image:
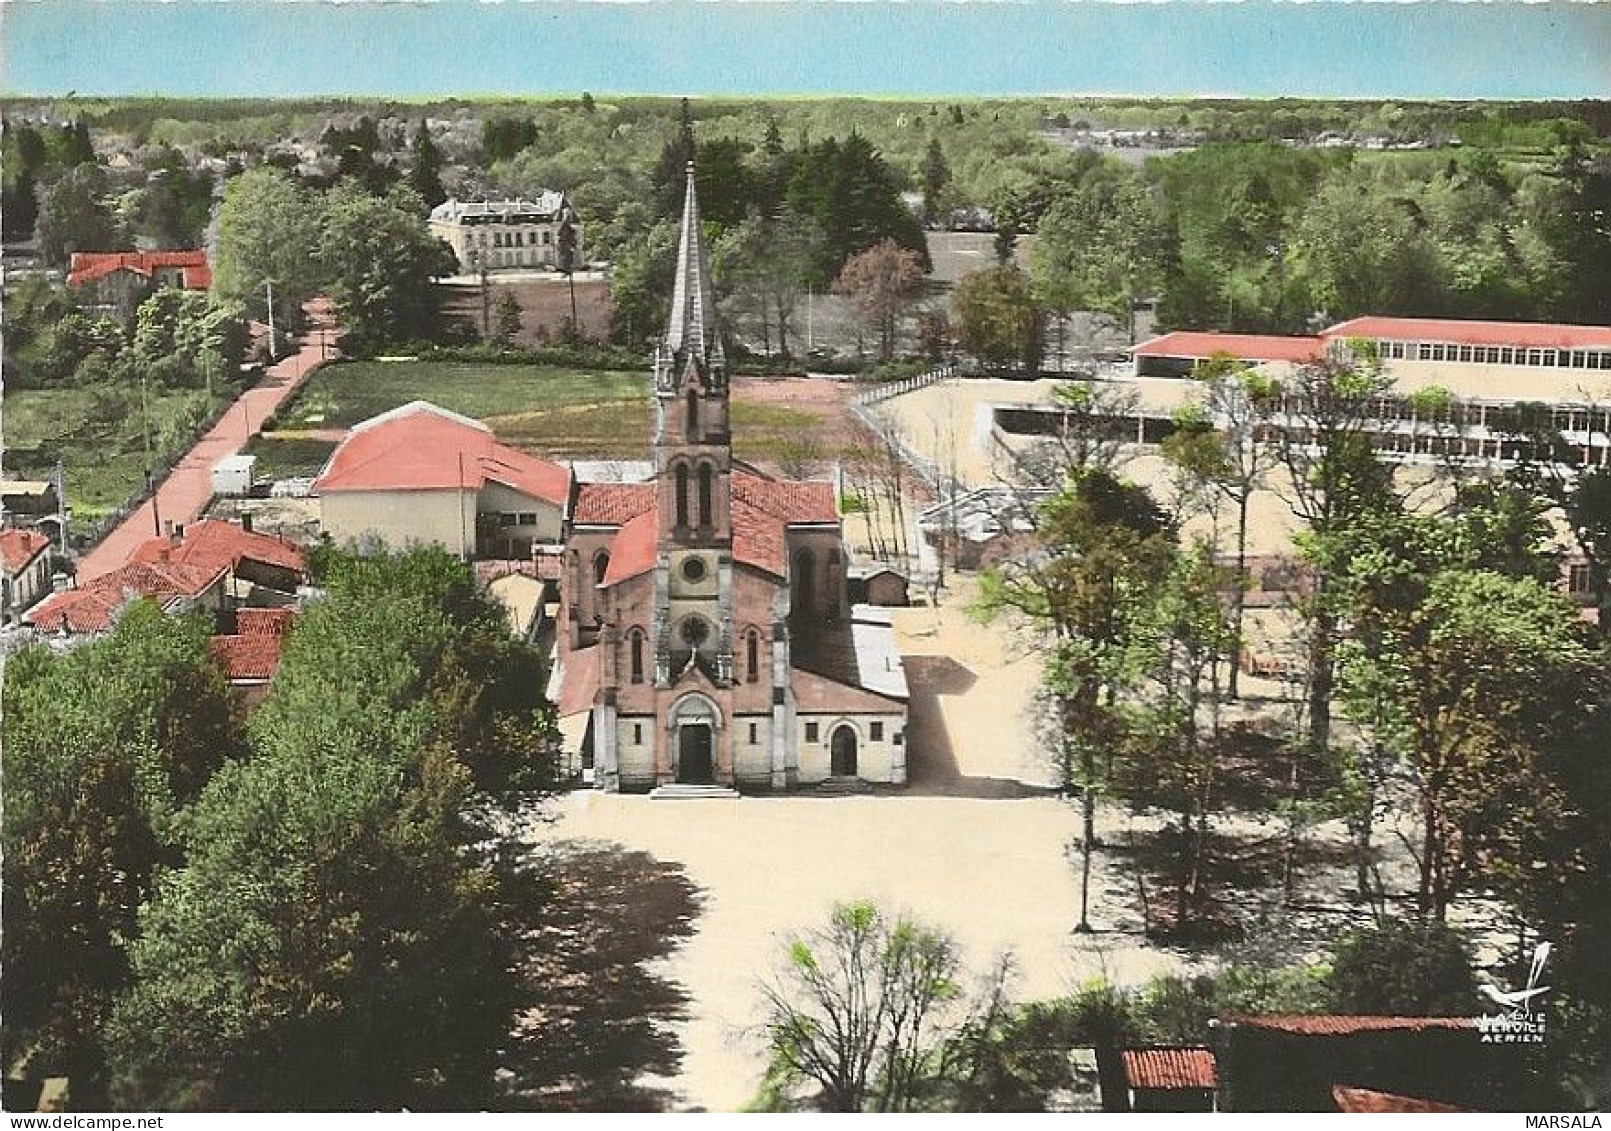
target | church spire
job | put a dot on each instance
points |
(691, 330)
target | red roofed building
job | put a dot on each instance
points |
(420, 473)
(246, 555)
(250, 655)
(1170, 1079)
(26, 555)
(1294, 1062)
(124, 279)
(1177, 354)
(94, 606)
(705, 628)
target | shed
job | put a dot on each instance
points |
(1170, 1079)
(234, 475)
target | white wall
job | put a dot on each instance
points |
(881, 761)
(399, 518)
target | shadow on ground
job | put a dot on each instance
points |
(599, 1017)
(932, 768)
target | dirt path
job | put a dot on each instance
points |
(182, 496)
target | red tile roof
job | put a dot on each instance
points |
(420, 447)
(18, 548)
(787, 499)
(634, 549)
(1544, 335)
(93, 607)
(264, 622)
(1342, 1025)
(216, 545)
(612, 504)
(1365, 1101)
(247, 659)
(579, 681)
(1248, 347)
(1170, 1068)
(88, 266)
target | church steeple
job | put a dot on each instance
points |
(692, 335)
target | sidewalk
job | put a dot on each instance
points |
(186, 491)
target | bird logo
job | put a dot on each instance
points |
(1518, 1003)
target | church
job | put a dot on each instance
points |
(705, 622)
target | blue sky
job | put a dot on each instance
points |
(1330, 48)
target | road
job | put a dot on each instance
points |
(186, 491)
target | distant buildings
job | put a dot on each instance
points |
(26, 558)
(502, 234)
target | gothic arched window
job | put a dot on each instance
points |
(635, 648)
(804, 596)
(601, 566)
(682, 494)
(707, 476)
(752, 656)
(692, 429)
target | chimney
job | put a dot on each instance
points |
(167, 527)
(246, 522)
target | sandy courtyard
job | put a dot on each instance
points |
(975, 845)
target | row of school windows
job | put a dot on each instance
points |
(517, 518)
(1495, 355)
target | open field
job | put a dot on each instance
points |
(798, 424)
(98, 434)
(341, 395)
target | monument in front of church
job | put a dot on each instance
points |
(705, 619)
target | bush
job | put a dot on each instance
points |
(1415, 969)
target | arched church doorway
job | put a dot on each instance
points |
(843, 752)
(695, 746)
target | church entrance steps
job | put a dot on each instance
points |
(683, 791)
(842, 787)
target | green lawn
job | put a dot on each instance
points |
(285, 456)
(341, 395)
(99, 435)
(550, 410)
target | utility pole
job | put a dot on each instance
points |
(268, 285)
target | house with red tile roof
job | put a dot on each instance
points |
(26, 557)
(706, 636)
(250, 655)
(124, 279)
(250, 557)
(95, 606)
(422, 474)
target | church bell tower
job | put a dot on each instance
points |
(693, 466)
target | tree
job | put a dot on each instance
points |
(425, 177)
(641, 284)
(74, 217)
(268, 230)
(565, 259)
(997, 318)
(853, 195)
(1358, 248)
(508, 319)
(19, 206)
(1171, 753)
(1221, 452)
(882, 282)
(1467, 677)
(766, 263)
(1403, 968)
(105, 745)
(936, 176)
(868, 1009)
(1103, 246)
(336, 902)
(380, 259)
(1103, 547)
